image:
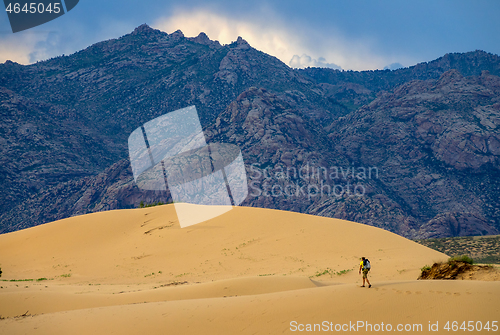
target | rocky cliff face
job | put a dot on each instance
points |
(436, 144)
(414, 151)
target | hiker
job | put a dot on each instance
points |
(365, 267)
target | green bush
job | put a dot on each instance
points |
(143, 205)
(463, 258)
(425, 268)
(318, 273)
(343, 272)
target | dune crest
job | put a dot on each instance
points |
(148, 245)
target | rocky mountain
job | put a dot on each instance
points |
(414, 151)
(436, 143)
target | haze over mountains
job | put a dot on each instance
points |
(414, 151)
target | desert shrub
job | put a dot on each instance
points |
(463, 258)
(425, 268)
(143, 205)
(343, 272)
(319, 273)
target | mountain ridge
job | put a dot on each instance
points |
(78, 110)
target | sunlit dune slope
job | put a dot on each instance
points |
(147, 245)
(249, 271)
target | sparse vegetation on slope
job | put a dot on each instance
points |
(484, 249)
(143, 205)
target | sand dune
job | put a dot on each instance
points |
(410, 303)
(249, 271)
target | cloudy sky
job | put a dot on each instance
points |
(351, 34)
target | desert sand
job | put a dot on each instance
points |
(248, 271)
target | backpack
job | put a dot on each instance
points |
(366, 264)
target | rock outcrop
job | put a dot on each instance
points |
(457, 270)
